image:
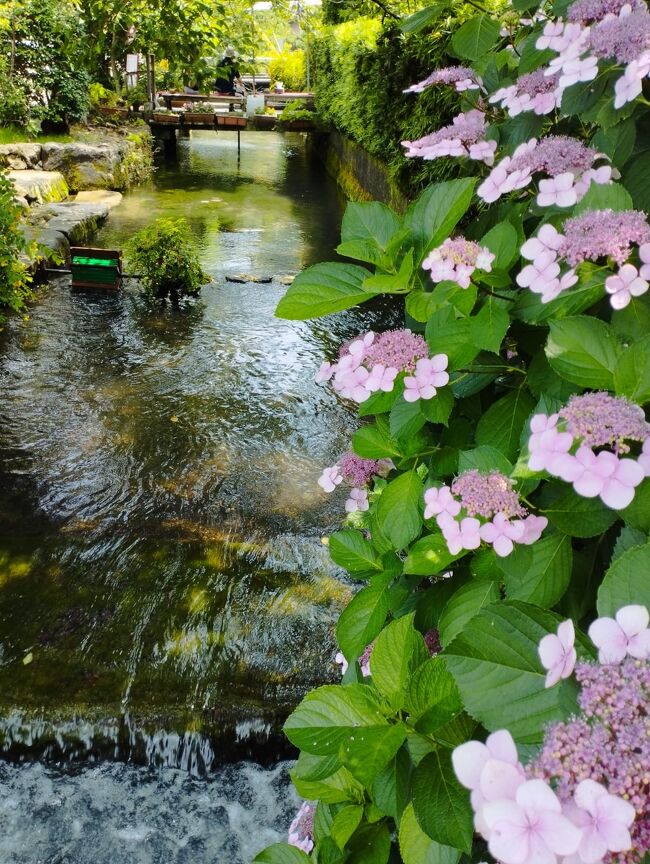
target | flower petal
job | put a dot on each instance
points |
(469, 760)
(632, 619)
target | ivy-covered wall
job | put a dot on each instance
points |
(360, 69)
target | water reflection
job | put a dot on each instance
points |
(159, 513)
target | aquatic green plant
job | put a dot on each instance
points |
(166, 258)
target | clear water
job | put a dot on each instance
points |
(164, 595)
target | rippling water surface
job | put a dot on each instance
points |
(161, 570)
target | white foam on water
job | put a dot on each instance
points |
(116, 813)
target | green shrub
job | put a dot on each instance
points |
(296, 111)
(14, 105)
(289, 67)
(166, 258)
(100, 95)
(14, 275)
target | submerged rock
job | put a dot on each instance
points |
(242, 278)
(99, 196)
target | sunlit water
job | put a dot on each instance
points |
(164, 594)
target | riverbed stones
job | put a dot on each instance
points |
(84, 166)
(40, 187)
(243, 278)
(19, 157)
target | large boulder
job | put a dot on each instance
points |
(20, 156)
(85, 166)
(78, 222)
(41, 187)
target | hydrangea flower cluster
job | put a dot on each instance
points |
(588, 444)
(567, 161)
(358, 473)
(461, 77)
(502, 520)
(592, 236)
(301, 830)
(586, 797)
(464, 137)
(601, 29)
(456, 260)
(535, 91)
(372, 362)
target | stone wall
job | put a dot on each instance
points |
(114, 164)
(361, 176)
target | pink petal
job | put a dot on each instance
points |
(629, 472)
(617, 809)
(616, 495)
(609, 638)
(569, 663)
(551, 651)
(592, 847)
(639, 646)
(615, 835)
(632, 619)
(558, 833)
(553, 676)
(535, 796)
(468, 760)
(509, 843)
(566, 633)
(589, 485)
(587, 794)
(503, 546)
(502, 746)
(500, 780)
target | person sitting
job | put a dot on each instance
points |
(228, 78)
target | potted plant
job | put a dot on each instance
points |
(200, 113)
(165, 116)
(296, 118)
(264, 118)
(106, 102)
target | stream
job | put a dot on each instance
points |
(165, 597)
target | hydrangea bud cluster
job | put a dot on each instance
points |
(460, 77)
(357, 472)
(535, 91)
(301, 830)
(482, 507)
(567, 161)
(372, 362)
(592, 236)
(456, 260)
(600, 29)
(464, 137)
(588, 444)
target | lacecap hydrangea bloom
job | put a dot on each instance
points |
(301, 830)
(568, 163)
(590, 443)
(465, 136)
(456, 260)
(482, 507)
(596, 235)
(460, 77)
(617, 30)
(535, 91)
(357, 472)
(372, 362)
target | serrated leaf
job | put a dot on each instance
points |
(375, 442)
(632, 372)
(350, 550)
(416, 22)
(416, 847)
(398, 651)
(429, 556)
(501, 425)
(327, 717)
(584, 351)
(574, 515)
(503, 241)
(604, 196)
(476, 37)
(399, 509)
(323, 289)
(366, 751)
(392, 786)
(363, 617)
(626, 582)
(434, 214)
(282, 853)
(345, 823)
(406, 418)
(371, 221)
(489, 325)
(440, 803)
(498, 672)
(635, 178)
(447, 334)
(432, 698)
(539, 573)
(484, 458)
(463, 605)
(370, 844)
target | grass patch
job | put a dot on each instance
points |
(16, 135)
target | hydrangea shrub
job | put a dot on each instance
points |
(495, 687)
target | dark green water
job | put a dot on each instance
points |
(161, 570)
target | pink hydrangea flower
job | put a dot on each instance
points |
(501, 533)
(464, 534)
(483, 151)
(644, 458)
(357, 501)
(382, 378)
(559, 191)
(604, 821)
(602, 474)
(644, 255)
(301, 830)
(461, 77)
(530, 828)
(429, 375)
(325, 372)
(627, 634)
(456, 260)
(625, 285)
(548, 240)
(558, 654)
(440, 500)
(330, 478)
(453, 140)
